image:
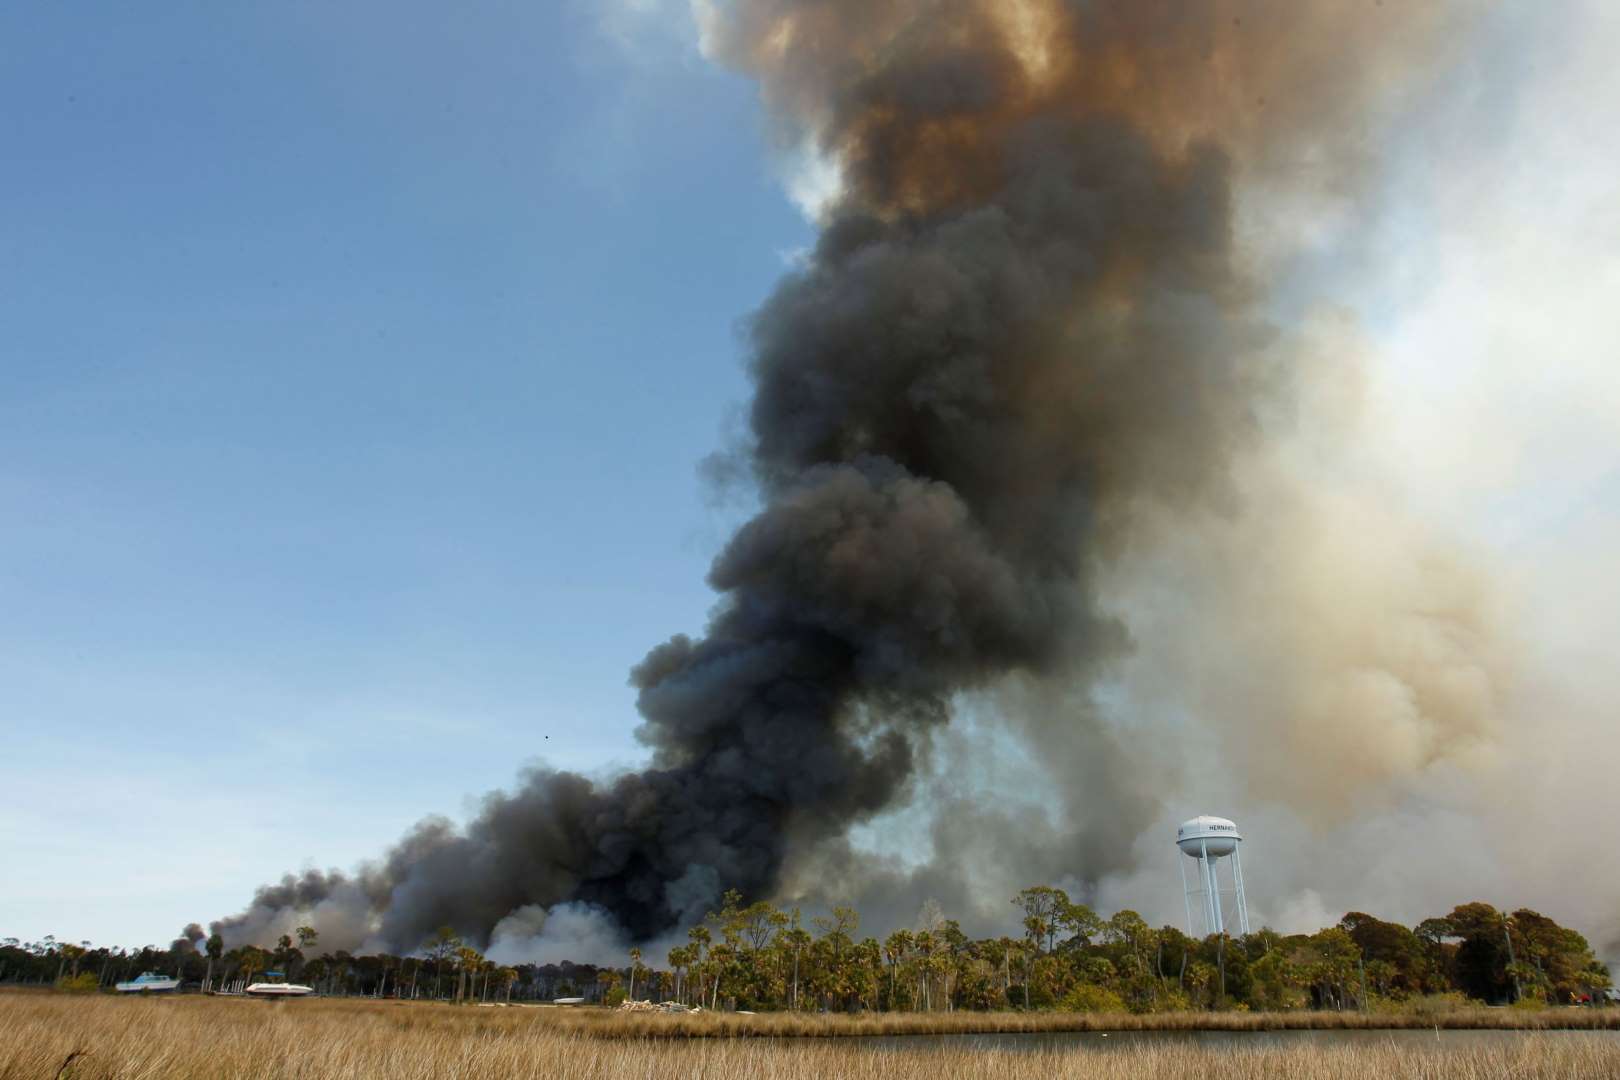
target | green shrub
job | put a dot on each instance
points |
(1089, 998)
(1436, 1004)
(1173, 1000)
(84, 983)
(1403, 1004)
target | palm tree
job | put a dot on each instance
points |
(215, 948)
(307, 939)
(468, 959)
(678, 959)
(252, 962)
(700, 939)
(284, 947)
(70, 954)
(440, 947)
(895, 949)
(799, 939)
(635, 969)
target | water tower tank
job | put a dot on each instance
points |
(1215, 837)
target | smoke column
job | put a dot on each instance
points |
(1027, 338)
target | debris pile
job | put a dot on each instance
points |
(660, 1007)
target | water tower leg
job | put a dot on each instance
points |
(1212, 917)
(1242, 900)
(1186, 893)
(1215, 895)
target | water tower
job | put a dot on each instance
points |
(1208, 840)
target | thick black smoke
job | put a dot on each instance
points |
(1021, 318)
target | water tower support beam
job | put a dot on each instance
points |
(1186, 893)
(1207, 869)
(1242, 900)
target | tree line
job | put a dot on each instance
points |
(761, 957)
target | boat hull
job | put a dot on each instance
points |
(278, 990)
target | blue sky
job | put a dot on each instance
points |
(356, 364)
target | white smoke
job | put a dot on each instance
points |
(1486, 435)
(575, 932)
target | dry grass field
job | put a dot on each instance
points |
(609, 1024)
(188, 1038)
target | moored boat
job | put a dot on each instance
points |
(277, 988)
(148, 982)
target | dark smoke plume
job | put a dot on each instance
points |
(1024, 318)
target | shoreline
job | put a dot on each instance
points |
(600, 1022)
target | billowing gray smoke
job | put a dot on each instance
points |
(1023, 320)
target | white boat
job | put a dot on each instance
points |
(148, 982)
(278, 990)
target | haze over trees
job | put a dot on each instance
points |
(758, 956)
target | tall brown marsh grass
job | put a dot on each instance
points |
(98, 1038)
(608, 1024)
